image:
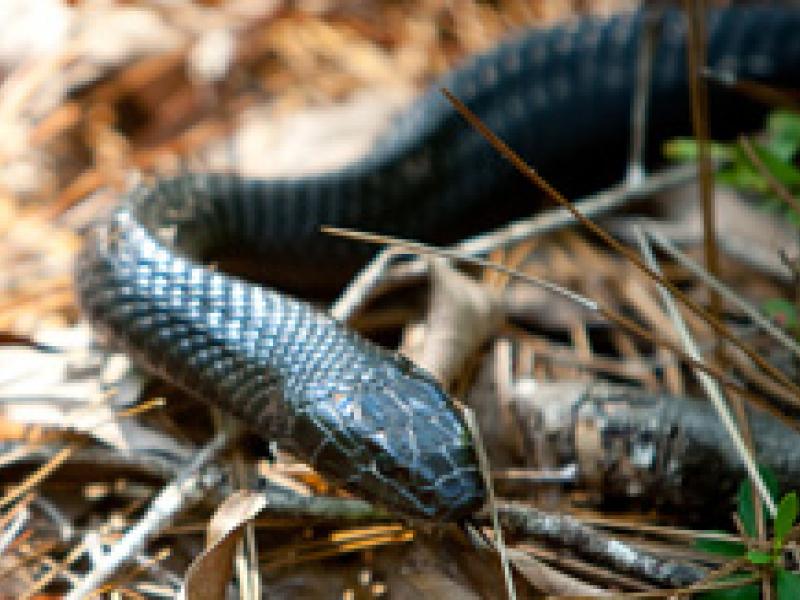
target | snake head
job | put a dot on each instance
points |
(395, 438)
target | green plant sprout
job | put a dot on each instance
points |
(778, 151)
(769, 558)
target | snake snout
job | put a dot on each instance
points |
(396, 440)
(419, 450)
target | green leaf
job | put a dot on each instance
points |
(783, 129)
(686, 149)
(771, 481)
(743, 176)
(788, 585)
(782, 170)
(722, 547)
(759, 558)
(787, 514)
(745, 500)
(793, 217)
(680, 149)
(772, 204)
(745, 508)
(780, 310)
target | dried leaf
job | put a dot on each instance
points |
(208, 575)
(549, 580)
(463, 315)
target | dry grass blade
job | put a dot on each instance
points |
(611, 315)
(57, 569)
(419, 248)
(728, 294)
(340, 542)
(641, 93)
(35, 478)
(710, 386)
(360, 288)
(696, 50)
(162, 508)
(659, 531)
(8, 516)
(530, 173)
(56, 461)
(377, 272)
(483, 462)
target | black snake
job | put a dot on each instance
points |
(360, 414)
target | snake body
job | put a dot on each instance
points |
(361, 414)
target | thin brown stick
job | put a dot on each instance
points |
(376, 277)
(660, 531)
(696, 50)
(607, 313)
(781, 191)
(531, 174)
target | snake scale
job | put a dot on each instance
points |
(360, 414)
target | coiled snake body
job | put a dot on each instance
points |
(361, 414)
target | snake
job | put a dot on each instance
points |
(362, 415)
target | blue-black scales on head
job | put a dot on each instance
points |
(359, 413)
